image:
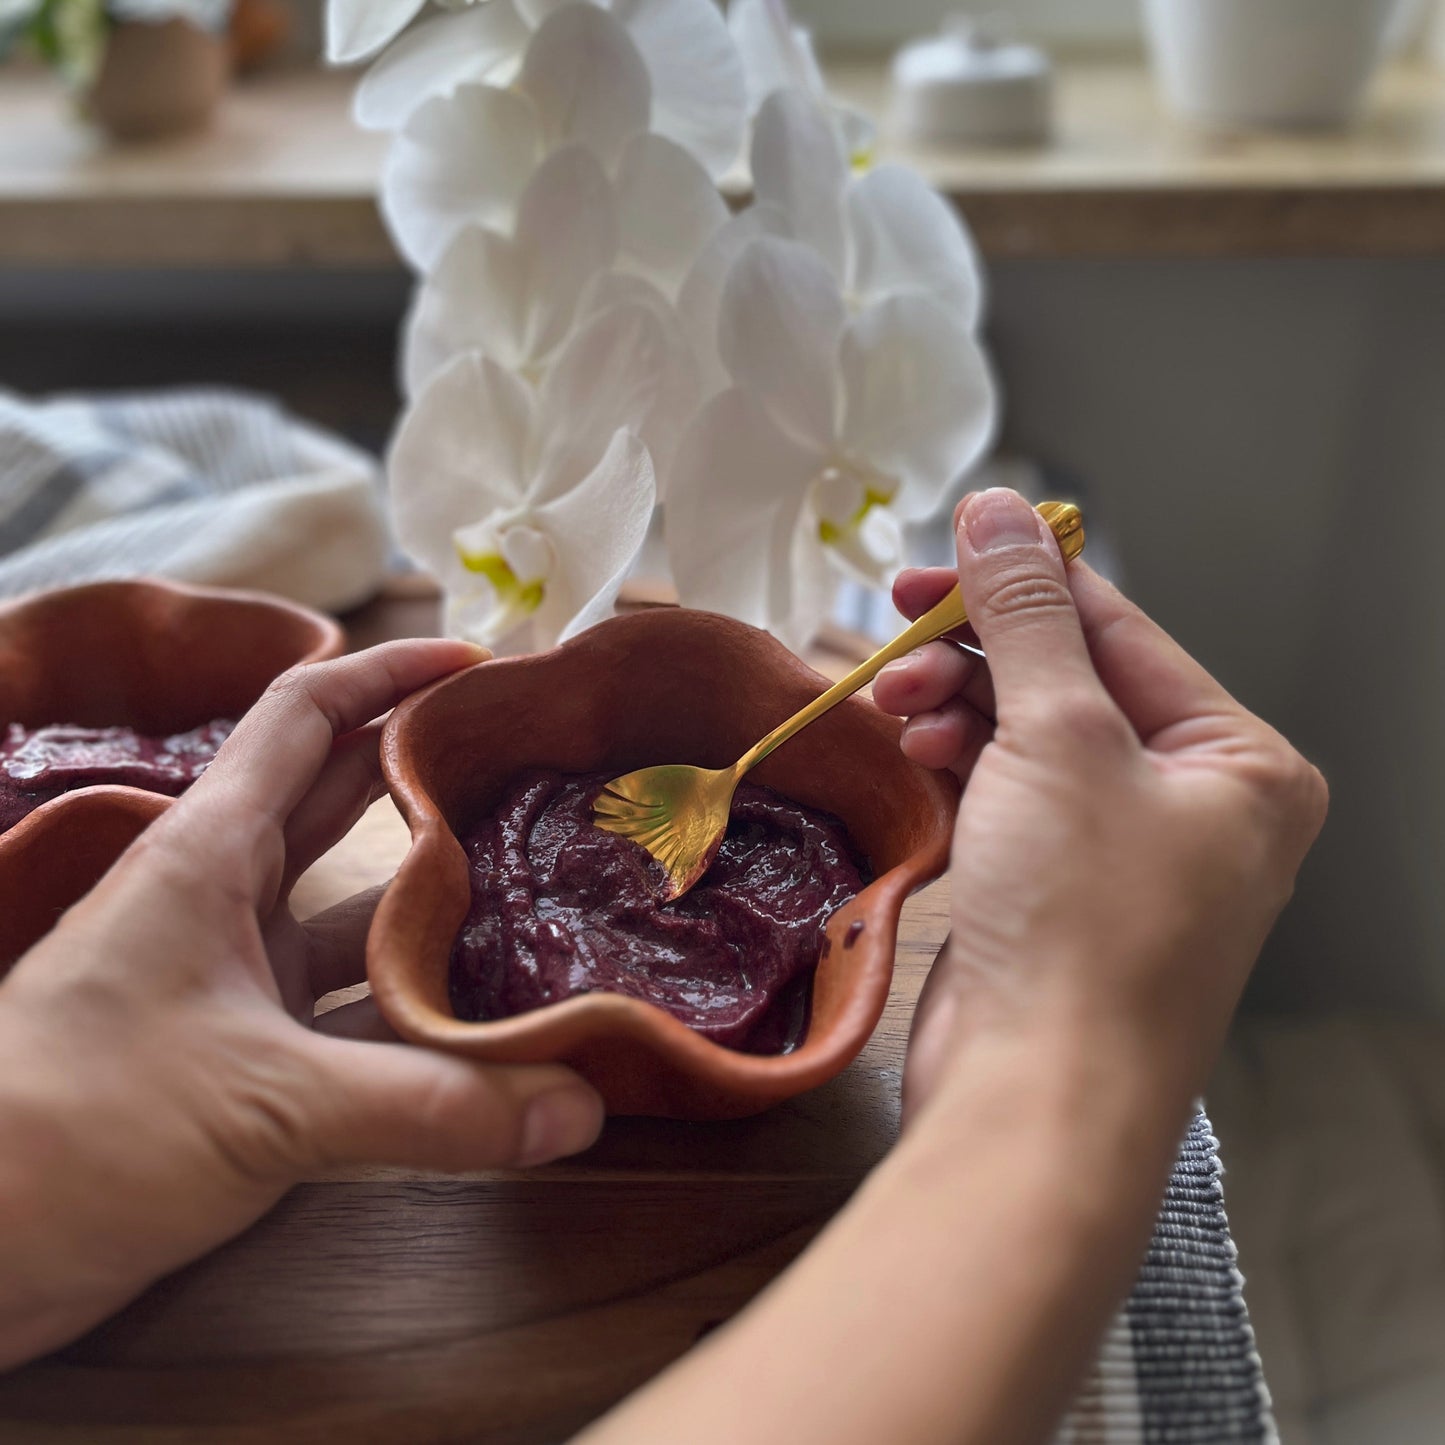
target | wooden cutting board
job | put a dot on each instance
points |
(387, 1305)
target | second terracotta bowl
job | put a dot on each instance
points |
(66, 853)
(667, 685)
(160, 657)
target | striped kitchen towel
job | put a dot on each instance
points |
(208, 486)
(1179, 1364)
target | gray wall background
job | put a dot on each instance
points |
(1267, 442)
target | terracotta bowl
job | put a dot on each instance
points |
(66, 853)
(659, 686)
(160, 657)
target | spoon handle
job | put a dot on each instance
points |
(943, 617)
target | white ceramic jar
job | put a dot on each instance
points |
(1266, 63)
(972, 83)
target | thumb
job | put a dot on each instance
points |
(1012, 578)
(409, 1106)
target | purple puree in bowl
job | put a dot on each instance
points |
(38, 764)
(560, 908)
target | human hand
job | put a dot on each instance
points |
(1128, 831)
(162, 1084)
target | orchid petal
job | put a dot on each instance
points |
(567, 234)
(699, 96)
(616, 288)
(799, 168)
(700, 297)
(608, 375)
(597, 528)
(906, 239)
(678, 393)
(480, 43)
(471, 609)
(534, 12)
(737, 493)
(778, 330)
(471, 302)
(668, 209)
(529, 553)
(815, 584)
(773, 50)
(458, 457)
(587, 81)
(462, 159)
(515, 300)
(358, 28)
(919, 401)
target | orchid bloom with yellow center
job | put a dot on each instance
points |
(835, 431)
(530, 504)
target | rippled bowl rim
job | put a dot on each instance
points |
(677, 1071)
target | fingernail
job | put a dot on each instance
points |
(559, 1123)
(480, 653)
(916, 729)
(1000, 518)
(897, 666)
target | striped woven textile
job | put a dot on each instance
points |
(207, 486)
(1179, 1364)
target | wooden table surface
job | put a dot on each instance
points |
(284, 179)
(387, 1305)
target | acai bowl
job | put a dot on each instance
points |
(661, 685)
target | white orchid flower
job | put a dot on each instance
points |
(778, 54)
(514, 297)
(517, 299)
(885, 233)
(464, 156)
(529, 505)
(835, 431)
(696, 94)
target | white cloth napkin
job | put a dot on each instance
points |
(206, 486)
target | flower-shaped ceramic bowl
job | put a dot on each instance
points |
(160, 657)
(666, 685)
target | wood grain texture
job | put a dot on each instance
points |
(284, 179)
(387, 1305)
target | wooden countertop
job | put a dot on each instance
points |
(284, 179)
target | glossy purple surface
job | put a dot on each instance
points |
(38, 764)
(560, 908)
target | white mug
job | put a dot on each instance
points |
(1271, 63)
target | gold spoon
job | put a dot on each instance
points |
(680, 813)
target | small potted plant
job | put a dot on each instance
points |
(141, 68)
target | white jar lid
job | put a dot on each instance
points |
(972, 84)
